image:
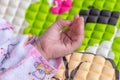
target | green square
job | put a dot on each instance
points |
(82, 47)
(108, 5)
(78, 3)
(35, 7)
(27, 30)
(63, 16)
(47, 24)
(44, 1)
(41, 16)
(116, 50)
(51, 17)
(70, 17)
(99, 4)
(116, 59)
(110, 28)
(35, 31)
(85, 42)
(118, 23)
(86, 4)
(30, 21)
(38, 24)
(112, 1)
(117, 47)
(90, 26)
(44, 8)
(118, 65)
(100, 27)
(117, 6)
(88, 33)
(31, 15)
(117, 40)
(107, 36)
(42, 31)
(93, 41)
(74, 10)
(97, 34)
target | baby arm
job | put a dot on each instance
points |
(18, 58)
(23, 61)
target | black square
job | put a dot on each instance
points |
(84, 12)
(103, 19)
(115, 14)
(106, 13)
(92, 19)
(113, 21)
(94, 12)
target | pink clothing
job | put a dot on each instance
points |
(61, 6)
(21, 61)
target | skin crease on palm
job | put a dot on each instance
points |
(55, 43)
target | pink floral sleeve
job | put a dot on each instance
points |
(21, 61)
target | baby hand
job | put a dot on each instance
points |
(56, 43)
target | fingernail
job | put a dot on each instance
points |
(81, 17)
(76, 16)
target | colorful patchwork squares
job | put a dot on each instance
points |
(86, 66)
(96, 16)
(14, 11)
(101, 23)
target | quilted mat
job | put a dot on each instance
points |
(13, 11)
(102, 23)
(86, 66)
